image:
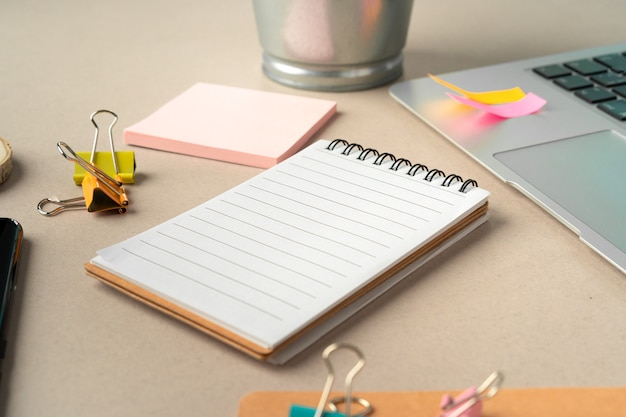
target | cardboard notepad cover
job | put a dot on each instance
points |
(519, 402)
(232, 124)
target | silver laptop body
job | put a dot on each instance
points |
(570, 157)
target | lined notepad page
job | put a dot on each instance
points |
(269, 256)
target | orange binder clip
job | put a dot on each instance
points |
(101, 192)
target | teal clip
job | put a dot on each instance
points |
(348, 400)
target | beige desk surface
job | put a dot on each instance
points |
(522, 294)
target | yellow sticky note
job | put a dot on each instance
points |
(485, 97)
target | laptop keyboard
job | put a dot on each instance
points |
(599, 81)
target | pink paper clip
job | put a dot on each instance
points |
(469, 403)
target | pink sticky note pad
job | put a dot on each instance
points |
(232, 124)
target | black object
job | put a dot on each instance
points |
(10, 244)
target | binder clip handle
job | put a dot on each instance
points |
(365, 410)
(77, 203)
(490, 386)
(96, 134)
(348, 399)
(469, 402)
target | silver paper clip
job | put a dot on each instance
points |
(469, 402)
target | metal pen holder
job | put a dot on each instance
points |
(333, 45)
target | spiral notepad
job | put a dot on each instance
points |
(278, 260)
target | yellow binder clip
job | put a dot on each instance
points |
(115, 163)
(101, 192)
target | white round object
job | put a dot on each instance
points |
(5, 160)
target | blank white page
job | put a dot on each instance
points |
(267, 257)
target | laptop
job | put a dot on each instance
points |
(570, 157)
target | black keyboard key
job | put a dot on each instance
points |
(616, 108)
(609, 79)
(600, 81)
(620, 90)
(595, 95)
(552, 71)
(586, 67)
(617, 62)
(573, 82)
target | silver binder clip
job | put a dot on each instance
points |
(347, 400)
(469, 402)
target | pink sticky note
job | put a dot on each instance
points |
(531, 103)
(232, 124)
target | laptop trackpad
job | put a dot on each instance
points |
(584, 174)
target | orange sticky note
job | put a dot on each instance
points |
(485, 97)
